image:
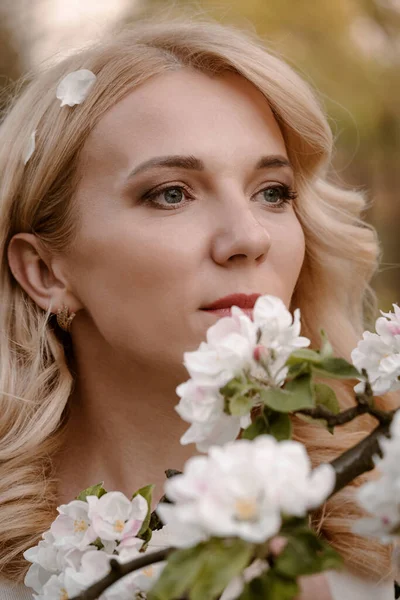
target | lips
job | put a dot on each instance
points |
(241, 300)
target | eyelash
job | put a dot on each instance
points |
(288, 195)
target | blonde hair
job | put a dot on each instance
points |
(333, 292)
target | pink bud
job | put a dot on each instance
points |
(394, 328)
(260, 352)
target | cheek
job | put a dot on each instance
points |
(131, 281)
(287, 252)
(288, 236)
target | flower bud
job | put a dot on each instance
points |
(261, 353)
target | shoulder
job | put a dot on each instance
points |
(346, 586)
(14, 591)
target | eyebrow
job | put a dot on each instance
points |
(195, 164)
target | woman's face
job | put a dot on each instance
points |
(143, 265)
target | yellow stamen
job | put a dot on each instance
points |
(80, 525)
(63, 594)
(148, 571)
(119, 526)
(246, 509)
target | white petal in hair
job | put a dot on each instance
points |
(30, 148)
(75, 86)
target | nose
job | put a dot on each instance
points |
(239, 236)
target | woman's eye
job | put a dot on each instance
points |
(171, 197)
(279, 195)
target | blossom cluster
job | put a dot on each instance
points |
(381, 497)
(76, 551)
(243, 489)
(236, 346)
(379, 354)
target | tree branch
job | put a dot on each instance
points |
(358, 459)
(119, 570)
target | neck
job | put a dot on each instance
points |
(122, 429)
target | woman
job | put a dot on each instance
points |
(195, 168)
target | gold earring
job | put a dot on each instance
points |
(63, 320)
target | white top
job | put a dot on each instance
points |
(343, 585)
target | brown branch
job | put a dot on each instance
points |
(348, 466)
(119, 570)
(359, 458)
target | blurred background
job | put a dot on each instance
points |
(348, 49)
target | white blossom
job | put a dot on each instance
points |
(381, 498)
(30, 147)
(379, 354)
(242, 489)
(115, 517)
(229, 352)
(74, 87)
(203, 407)
(137, 581)
(94, 566)
(72, 527)
(47, 560)
(280, 330)
(53, 589)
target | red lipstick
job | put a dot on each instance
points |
(223, 305)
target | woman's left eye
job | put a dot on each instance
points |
(278, 195)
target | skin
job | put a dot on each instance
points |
(138, 274)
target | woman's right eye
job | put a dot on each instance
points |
(172, 194)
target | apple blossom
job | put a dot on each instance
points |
(233, 349)
(72, 527)
(242, 489)
(381, 498)
(379, 354)
(115, 517)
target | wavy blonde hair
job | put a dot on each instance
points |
(333, 292)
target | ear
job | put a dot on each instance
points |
(39, 274)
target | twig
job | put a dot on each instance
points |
(119, 570)
(320, 412)
(359, 458)
(348, 466)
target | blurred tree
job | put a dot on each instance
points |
(11, 65)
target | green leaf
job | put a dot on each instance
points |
(297, 369)
(146, 537)
(258, 427)
(295, 395)
(147, 493)
(271, 586)
(336, 368)
(306, 554)
(304, 355)
(325, 396)
(326, 348)
(280, 426)
(239, 406)
(94, 490)
(320, 422)
(224, 560)
(232, 387)
(178, 575)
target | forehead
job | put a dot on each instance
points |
(184, 111)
